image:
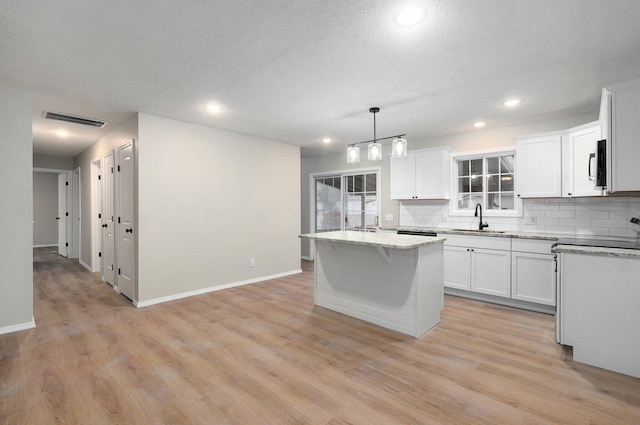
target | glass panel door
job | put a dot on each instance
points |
(328, 214)
(346, 202)
(360, 202)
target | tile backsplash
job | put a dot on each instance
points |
(583, 217)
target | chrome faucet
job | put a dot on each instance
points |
(481, 225)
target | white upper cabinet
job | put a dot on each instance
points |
(422, 174)
(579, 147)
(620, 119)
(539, 166)
(403, 177)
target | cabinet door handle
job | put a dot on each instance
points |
(591, 158)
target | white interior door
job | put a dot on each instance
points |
(73, 250)
(97, 214)
(108, 223)
(62, 214)
(125, 226)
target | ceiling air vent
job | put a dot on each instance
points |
(74, 119)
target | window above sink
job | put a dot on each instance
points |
(486, 178)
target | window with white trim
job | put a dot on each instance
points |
(488, 180)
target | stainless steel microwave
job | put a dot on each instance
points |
(601, 164)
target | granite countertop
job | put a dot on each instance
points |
(596, 250)
(382, 240)
(496, 234)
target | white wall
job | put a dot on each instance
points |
(53, 162)
(116, 137)
(45, 209)
(16, 210)
(460, 142)
(208, 201)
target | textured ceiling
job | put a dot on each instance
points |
(297, 71)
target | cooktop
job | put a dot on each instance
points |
(601, 243)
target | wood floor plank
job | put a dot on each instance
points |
(264, 354)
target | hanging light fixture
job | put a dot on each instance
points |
(353, 154)
(374, 151)
(399, 147)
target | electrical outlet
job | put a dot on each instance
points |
(530, 219)
(252, 262)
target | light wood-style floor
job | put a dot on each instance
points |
(263, 354)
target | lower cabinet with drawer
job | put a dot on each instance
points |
(504, 270)
(533, 276)
(478, 264)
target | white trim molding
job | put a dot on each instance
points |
(85, 265)
(18, 327)
(179, 296)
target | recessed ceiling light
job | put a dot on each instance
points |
(214, 109)
(62, 133)
(410, 16)
(326, 140)
(512, 102)
(479, 124)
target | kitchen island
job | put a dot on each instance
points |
(394, 281)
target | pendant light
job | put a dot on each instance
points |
(374, 153)
(399, 147)
(353, 155)
(374, 149)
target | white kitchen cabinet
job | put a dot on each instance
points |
(479, 264)
(598, 310)
(539, 166)
(422, 174)
(491, 272)
(533, 271)
(457, 267)
(621, 128)
(579, 148)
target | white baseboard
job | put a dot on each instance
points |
(306, 258)
(45, 246)
(85, 265)
(212, 289)
(18, 327)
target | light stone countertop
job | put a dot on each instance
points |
(383, 240)
(595, 250)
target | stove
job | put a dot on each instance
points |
(601, 243)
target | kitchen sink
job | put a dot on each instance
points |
(478, 231)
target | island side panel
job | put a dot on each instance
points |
(430, 284)
(357, 281)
